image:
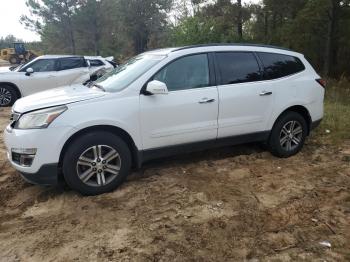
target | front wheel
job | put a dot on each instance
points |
(288, 135)
(96, 163)
(14, 60)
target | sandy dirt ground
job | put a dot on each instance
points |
(4, 63)
(230, 204)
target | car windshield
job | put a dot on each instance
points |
(19, 67)
(124, 75)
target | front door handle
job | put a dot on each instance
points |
(265, 93)
(206, 100)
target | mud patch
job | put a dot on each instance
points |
(228, 204)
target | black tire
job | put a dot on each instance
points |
(8, 95)
(79, 146)
(14, 60)
(276, 143)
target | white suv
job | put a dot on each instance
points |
(43, 73)
(160, 103)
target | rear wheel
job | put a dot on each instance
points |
(288, 135)
(96, 163)
(8, 95)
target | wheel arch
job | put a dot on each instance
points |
(136, 157)
(18, 92)
(303, 111)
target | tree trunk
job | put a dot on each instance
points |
(266, 26)
(330, 46)
(70, 29)
(239, 20)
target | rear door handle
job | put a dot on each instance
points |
(206, 100)
(265, 93)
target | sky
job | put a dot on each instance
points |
(11, 11)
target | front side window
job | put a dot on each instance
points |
(42, 65)
(278, 65)
(185, 73)
(237, 67)
(72, 63)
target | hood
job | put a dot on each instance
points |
(5, 69)
(56, 97)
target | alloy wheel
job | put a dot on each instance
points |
(98, 165)
(291, 135)
(5, 97)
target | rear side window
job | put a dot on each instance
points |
(238, 67)
(278, 65)
(71, 63)
(96, 62)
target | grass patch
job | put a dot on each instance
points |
(337, 112)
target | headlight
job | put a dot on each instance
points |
(40, 118)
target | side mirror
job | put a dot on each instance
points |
(156, 87)
(29, 71)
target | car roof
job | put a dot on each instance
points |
(225, 47)
(93, 57)
(58, 56)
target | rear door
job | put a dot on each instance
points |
(72, 70)
(188, 113)
(246, 101)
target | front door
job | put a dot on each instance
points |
(188, 113)
(43, 78)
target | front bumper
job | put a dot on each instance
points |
(48, 144)
(47, 175)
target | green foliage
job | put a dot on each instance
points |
(198, 30)
(337, 112)
(7, 42)
(318, 28)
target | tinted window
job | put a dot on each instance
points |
(96, 62)
(71, 63)
(277, 65)
(238, 67)
(185, 73)
(43, 65)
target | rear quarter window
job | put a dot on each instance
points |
(96, 62)
(279, 65)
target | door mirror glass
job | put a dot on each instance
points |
(29, 71)
(156, 87)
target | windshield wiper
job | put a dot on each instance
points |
(99, 86)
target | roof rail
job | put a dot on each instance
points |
(230, 44)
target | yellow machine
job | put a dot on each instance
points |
(18, 54)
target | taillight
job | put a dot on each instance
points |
(322, 82)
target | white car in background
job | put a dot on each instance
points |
(43, 73)
(99, 66)
(98, 62)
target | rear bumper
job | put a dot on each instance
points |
(315, 124)
(46, 175)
